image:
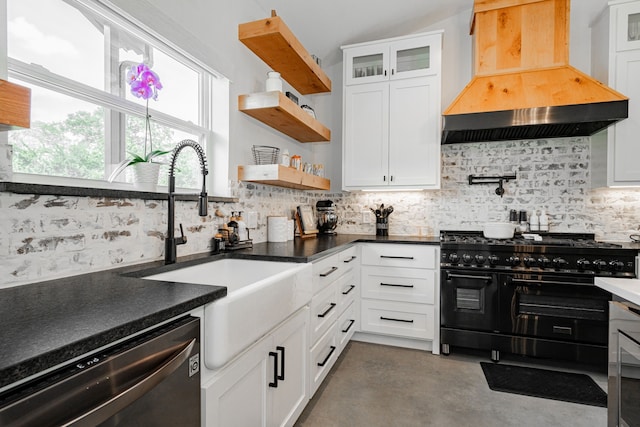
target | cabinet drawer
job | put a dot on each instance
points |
(347, 289)
(328, 269)
(397, 318)
(324, 311)
(400, 255)
(399, 284)
(323, 356)
(346, 326)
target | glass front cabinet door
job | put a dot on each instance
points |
(628, 26)
(394, 59)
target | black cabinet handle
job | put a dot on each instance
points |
(395, 285)
(396, 320)
(352, 287)
(468, 276)
(333, 304)
(396, 257)
(328, 272)
(281, 350)
(274, 384)
(346, 261)
(351, 322)
(326, 359)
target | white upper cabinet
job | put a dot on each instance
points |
(616, 61)
(398, 58)
(391, 122)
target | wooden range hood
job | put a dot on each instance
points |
(523, 86)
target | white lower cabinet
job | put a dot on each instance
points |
(265, 386)
(323, 355)
(333, 310)
(400, 293)
(400, 319)
(346, 326)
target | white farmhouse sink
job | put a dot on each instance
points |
(260, 294)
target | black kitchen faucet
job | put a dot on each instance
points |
(171, 242)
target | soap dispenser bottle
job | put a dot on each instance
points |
(544, 221)
(242, 227)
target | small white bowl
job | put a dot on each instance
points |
(498, 230)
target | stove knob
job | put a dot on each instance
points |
(493, 259)
(530, 261)
(583, 264)
(480, 259)
(544, 262)
(467, 259)
(560, 263)
(513, 260)
(599, 265)
(453, 258)
(616, 265)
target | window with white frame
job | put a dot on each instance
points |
(75, 56)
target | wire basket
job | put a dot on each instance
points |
(265, 155)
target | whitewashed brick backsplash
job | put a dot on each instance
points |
(44, 237)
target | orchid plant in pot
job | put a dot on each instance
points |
(144, 84)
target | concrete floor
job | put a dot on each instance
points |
(374, 385)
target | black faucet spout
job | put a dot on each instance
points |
(171, 242)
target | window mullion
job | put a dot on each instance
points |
(114, 126)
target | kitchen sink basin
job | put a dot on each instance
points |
(260, 294)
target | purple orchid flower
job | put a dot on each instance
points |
(144, 83)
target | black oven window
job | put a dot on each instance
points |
(469, 299)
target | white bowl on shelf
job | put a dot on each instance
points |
(498, 230)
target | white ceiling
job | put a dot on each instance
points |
(324, 25)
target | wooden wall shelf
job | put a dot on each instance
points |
(282, 176)
(276, 110)
(279, 48)
(15, 106)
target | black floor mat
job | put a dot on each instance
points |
(567, 386)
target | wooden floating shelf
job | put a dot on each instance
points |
(15, 106)
(282, 176)
(272, 41)
(276, 110)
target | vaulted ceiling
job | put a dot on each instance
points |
(324, 25)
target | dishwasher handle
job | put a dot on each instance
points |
(117, 403)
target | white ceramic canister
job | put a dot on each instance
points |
(274, 82)
(277, 228)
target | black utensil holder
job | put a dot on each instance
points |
(382, 227)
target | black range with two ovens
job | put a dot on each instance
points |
(529, 297)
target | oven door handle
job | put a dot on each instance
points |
(511, 280)
(468, 276)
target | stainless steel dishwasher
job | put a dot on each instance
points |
(149, 380)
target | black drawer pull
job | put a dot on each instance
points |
(328, 272)
(468, 276)
(346, 261)
(274, 384)
(351, 322)
(396, 285)
(331, 306)
(396, 320)
(281, 350)
(396, 257)
(352, 287)
(326, 359)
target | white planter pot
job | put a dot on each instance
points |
(145, 176)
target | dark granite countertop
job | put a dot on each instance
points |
(48, 323)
